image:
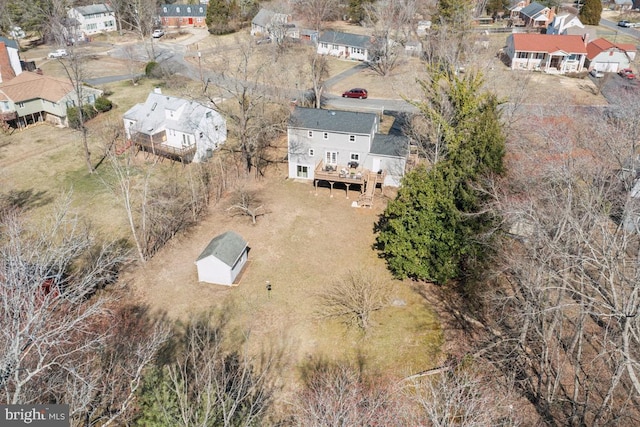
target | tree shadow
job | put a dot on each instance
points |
(24, 200)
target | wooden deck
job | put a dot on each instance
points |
(157, 147)
(364, 178)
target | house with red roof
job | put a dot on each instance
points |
(602, 55)
(551, 53)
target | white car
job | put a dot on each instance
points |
(597, 74)
(59, 53)
(157, 34)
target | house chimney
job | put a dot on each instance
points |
(157, 90)
(585, 38)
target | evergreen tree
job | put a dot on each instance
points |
(590, 12)
(219, 16)
(435, 229)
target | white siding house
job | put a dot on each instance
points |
(223, 259)
(602, 55)
(94, 18)
(332, 140)
(175, 127)
(345, 45)
(556, 54)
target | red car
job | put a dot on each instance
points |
(356, 93)
(627, 73)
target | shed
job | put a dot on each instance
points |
(223, 259)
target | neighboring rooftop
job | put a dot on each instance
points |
(533, 9)
(600, 45)
(345, 39)
(29, 85)
(94, 9)
(548, 43)
(390, 145)
(183, 10)
(9, 43)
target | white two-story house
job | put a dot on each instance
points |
(344, 146)
(174, 127)
(93, 19)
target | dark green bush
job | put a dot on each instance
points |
(103, 104)
(151, 69)
(88, 113)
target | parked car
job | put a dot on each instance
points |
(627, 73)
(356, 93)
(623, 23)
(596, 73)
(59, 53)
(157, 34)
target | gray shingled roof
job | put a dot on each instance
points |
(533, 9)
(390, 145)
(150, 116)
(227, 247)
(332, 120)
(93, 9)
(9, 43)
(197, 10)
(345, 39)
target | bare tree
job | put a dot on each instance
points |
(317, 11)
(211, 379)
(391, 20)
(258, 112)
(319, 71)
(341, 394)
(354, 298)
(565, 322)
(247, 203)
(461, 398)
(48, 277)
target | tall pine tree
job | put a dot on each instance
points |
(590, 12)
(436, 228)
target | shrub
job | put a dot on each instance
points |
(103, 104)
(88, 113)
(151, 69)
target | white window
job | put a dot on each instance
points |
(201, 10)
(208, 115)
(325, 135)
(216, 128)
(334, 47)
(177, 10)
(310, 134)
(357, 50)
(302, 171)
(188, 10)
(331, 157)
(355, 157)
(324, 45)
(21, 104)
(352, 138)
(311, 153)
(165, 9)
(201, 135)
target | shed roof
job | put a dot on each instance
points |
(345, 39)
(548, 43)
(332, 120)
(227, 247)
(93, 9)
(28, 85)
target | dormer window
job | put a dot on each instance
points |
(164, 9)
(201, 10)
(188, 10)
(177, 10)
